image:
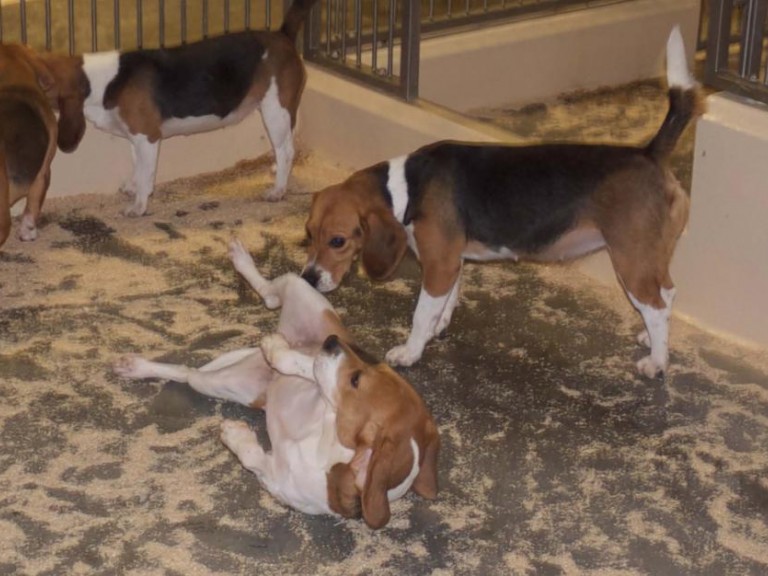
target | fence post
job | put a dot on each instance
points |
(409, 50)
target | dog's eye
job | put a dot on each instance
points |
(355, 380)
(337, 242)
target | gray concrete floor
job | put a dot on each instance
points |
(556, 457)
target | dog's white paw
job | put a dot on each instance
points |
(651, 368)
(239, 256)
(644, 339)
(402, 356)
(27, 233)
(275, 193)
(235, 434)
(128, 187)
(131, 367)
(273, 346)
(138, 208)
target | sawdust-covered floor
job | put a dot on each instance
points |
(556, 457)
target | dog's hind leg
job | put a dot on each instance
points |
(144, 171)
(277, 121)
(241, 376)
(649, 288)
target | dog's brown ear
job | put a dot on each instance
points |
(384, 243)
(71, 123)
(71, 89)
(343, 495)
(425, 483)
(390, 462)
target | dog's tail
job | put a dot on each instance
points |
(685, 99)
(295, 17)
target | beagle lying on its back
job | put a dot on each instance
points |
(348, 433)
(452, 201)
(27, 137)
(147, 95)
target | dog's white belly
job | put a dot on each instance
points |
(302, 430)
(578, 242)
(197, 124)
(573, 244)
(481, 252)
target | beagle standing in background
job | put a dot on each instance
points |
(348, 433)
(28, 133)
(453, 201)
(147, 95)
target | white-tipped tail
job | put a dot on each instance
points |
(678, 75)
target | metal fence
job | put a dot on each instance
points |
(737, 53)
(90, 25)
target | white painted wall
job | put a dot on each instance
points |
(721, 265)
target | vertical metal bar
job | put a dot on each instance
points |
(183, 8)
(328, 29)
(409, 49)
(267, 15)
(117, 24)
(247, 15)
(312, 34)
(161, 22)
(343, 31)
(71, 25)
(1, 21)
(375, 37)
(139, 25)
(47, 24)
(94, 28)
(205, 18)
(752, 39)
(23, 20)
(466, 7)
(359, 28)
(718, 37)
(431, 10)
(448, 8)
(391, 38)
(226, 16)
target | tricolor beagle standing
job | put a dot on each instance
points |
(348, 433)
(28, 133)
(452, 201)
(147, 95)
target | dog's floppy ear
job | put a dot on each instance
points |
(390, 462)
(343, 495)
(71, 123)
(384, 243)
(71, 90)
(425, 483)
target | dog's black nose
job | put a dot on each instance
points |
(311, 277)
(331, 344)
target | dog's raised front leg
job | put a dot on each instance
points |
(282, 358)
(144, 170)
